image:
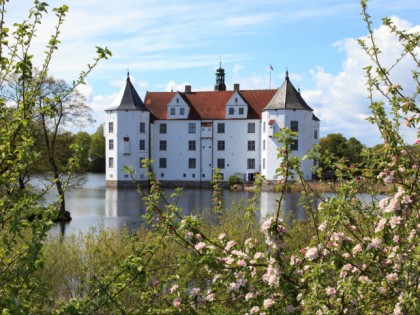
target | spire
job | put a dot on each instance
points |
(287, 97)
(220, 78)
(131, 100)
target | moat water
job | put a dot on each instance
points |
(95, 205)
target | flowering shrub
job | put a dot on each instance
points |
(361, 256)
(357, 257)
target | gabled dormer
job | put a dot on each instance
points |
(236, 107)
(178, 107)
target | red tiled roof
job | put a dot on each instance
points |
(210, 104)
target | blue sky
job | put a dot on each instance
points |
(167, 44)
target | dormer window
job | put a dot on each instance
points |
(236, 107)
(172, 111)
(177, 100)
(182, 111)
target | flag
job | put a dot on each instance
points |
(271, 68)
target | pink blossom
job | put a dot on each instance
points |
(380, 226)
(346, 255)
(249, 296)
(406, 200)
(347, 267)
(229, 245)
(258, 255)
(174, 288)
(266, 225)
(397, 309)
(268, 303)
(233, 286)
(198, 236)
(254, 309)
(242, 263)
(395, 220)
(322, 227)
(392, 277)
(396, 239)
(210, 296)
(312, 253)
(177, 302)
(188, 235)
(222, 236)
(356, 249)
(376, 243)
(200, 246)
(330, 291)
(195, 291)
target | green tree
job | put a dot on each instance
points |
(23, 223)
(97, 150)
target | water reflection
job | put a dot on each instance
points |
(93, 205)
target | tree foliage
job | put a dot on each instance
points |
(354, 257)
(23, 222)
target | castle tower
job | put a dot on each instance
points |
(127, 136)
(220, 79)
(287, 109)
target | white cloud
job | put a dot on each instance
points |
(173, 86)
(341, 100)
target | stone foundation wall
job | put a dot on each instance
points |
(164, 184)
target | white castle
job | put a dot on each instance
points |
(189, 134)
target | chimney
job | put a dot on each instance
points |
(236, 87)
(187, 89)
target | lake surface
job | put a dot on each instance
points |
(94, 205)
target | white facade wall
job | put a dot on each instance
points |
(177, 153)
(126, 150)
(236, 153)
(283, 118)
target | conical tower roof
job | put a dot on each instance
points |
(131, 100)
(287, 97)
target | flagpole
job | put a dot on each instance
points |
(269, 86)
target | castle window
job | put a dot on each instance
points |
(251, 164)
(162, 128)
(162, 163)
(111, 144)
(221, 163)
(191, 145)
(241, 110)
(294, 125)
(191, 163)
(142, 145)
(315, 134)
(220, 128)
(111, 162)
(231, 111)
(162, 145)
(142, 127)
(172, 111)
(263, 145)
(191, 128)
(263, 166)
(251, 127)
(182, 111)
(294, 146)
(221, 145)
(126, 145)
(251, 145)
(264, 126)
(110, 127)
